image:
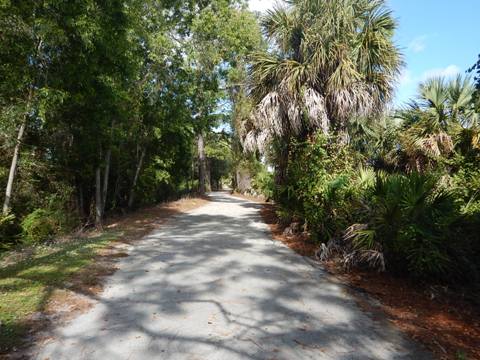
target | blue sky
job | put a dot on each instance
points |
(437, 37)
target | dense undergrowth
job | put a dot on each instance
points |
(109, 106)
(420, 224)
(389, 189)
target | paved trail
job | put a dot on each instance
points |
(212, 285)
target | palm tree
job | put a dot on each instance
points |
(443, 115)
(330, 60)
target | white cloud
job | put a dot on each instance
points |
(449, 71)
(418, 44)
(405, 78)
(261, 5)
(408, 81)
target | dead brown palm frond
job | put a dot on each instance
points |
(373, 259)
(333, 60)
(424, 142)
(263, 139)
(316, 110)
(250, 141)
(356, 248)
(270, 114)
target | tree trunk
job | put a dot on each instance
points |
(282, 165)
(98, 198)
(16, 152)
(116, 192)
(81, 204)
(208, 175)
(13, 169)
(106, 175)
(135, 179)
(202, 165)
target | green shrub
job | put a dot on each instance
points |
(263, 183)
(411, 220)
(39, 226)
(8, 230)
(320, 187)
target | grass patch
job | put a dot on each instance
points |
(26, 286)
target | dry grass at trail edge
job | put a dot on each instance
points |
(46, 285)
(441, 320)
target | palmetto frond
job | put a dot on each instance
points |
(282, 26)
(460, 92)
(443, 118)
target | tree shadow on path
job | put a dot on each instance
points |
(212, 284)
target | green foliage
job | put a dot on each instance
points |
(263, 183)
(39, 226)
(124, 86)
(329, 61)
(410, 219)
(319, 187)
(8, 230)
(411, 223)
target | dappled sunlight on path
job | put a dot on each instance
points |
(211, 284)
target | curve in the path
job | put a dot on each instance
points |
(211, 284)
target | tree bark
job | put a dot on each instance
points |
(282, 165)
(202, 164)
(81, 204)
(208, 175)
(135, 179)
(106, 175)
(98, 198)
(16, 152)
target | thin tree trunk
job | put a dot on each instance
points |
(106, 175)
(192, 176)
(208, 175)
(135, 179)
(16, 152)
(98, 198)
(282, 165)
(202, 166)
(81, 204)
(116, 192)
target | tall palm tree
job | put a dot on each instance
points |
(329, 60)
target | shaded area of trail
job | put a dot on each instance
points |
(211, 284)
